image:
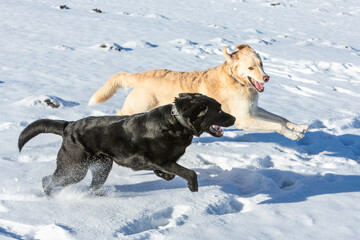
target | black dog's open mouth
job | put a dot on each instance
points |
(216, 131)
(258, 86)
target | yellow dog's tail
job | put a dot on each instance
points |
(121, 80)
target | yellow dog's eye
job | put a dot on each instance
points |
(251, 68)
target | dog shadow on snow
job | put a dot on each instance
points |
(280, 186)
(314, 142)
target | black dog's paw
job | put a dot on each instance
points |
(193, 186)
(97, 192)
(193, 183)
(163, 175)
(46, 184)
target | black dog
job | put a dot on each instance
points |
(147, 141)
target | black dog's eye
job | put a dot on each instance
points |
(251, 68)
(220, 112)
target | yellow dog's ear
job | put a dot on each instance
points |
(242, 46)
(227, 55)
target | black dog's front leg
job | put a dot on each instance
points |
(163, 175)
(189, 175)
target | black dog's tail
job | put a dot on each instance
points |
(41, 126)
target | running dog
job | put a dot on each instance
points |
(153, 140)
(235, 84)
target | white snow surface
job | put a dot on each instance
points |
(251, 185)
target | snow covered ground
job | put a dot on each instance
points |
(251, 185)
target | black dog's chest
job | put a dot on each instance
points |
(166, 149)
(149, 154)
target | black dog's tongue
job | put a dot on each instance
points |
(217, 130)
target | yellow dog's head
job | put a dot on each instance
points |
(246, 67)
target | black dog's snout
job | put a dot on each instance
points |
(229, 120)
(233, 120)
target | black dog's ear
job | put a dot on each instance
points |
(184, 95)
(196, 111)
(189, 95)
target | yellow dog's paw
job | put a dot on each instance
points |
(298, 128)
(293, 135)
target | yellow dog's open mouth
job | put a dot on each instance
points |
(216, 131)
(258, 86)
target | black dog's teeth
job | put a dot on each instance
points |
(216, 130)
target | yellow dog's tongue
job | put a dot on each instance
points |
(259, 86)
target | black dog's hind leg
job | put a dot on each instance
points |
(185, 173)
(166, 176)
(100, 171)
(64, 177)
(69, 170)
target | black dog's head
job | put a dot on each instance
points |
(202, 114)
